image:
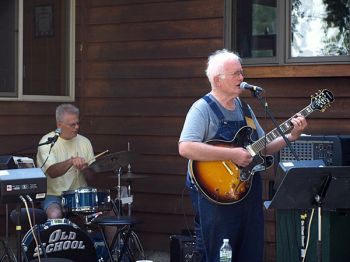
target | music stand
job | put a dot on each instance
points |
(309, 187)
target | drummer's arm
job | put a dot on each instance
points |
(59, 169)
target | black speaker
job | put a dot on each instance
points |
(7, 162)
(183, 249)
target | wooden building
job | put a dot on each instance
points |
(139, 66)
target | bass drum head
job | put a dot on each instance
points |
(59, 238)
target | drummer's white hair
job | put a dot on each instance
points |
(65, 109)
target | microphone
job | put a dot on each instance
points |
(246, 86)
(52, 140)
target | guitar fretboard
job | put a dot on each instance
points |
(272, 135)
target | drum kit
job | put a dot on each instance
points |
(61, 238)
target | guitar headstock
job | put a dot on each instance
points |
(322, 100)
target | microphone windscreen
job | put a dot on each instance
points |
(243, 85)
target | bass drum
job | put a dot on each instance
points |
(59, 238)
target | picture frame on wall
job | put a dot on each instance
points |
(43, 21)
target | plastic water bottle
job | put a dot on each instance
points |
(225, 251)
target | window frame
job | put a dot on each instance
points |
(70, 63)
(283, 45)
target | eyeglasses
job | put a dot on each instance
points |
(72, 125)
(235, 74)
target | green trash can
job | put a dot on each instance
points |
(335, 236)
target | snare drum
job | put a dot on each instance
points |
(59, 238)
(86, 199)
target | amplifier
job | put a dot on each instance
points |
(333, 150)
(26, 181)
(285, 166)
(183, 249)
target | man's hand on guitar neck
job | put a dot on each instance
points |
(299, 124)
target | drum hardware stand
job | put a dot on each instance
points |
(129, 185)
(129, 191)
(8, 253)
(115, 163)
(88, 219)
(119, 190)
(117, 209)
(133, 236)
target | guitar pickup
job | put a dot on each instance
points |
(227, 168)
(250, 150)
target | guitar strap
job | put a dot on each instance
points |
(245, 109)
(247, 114)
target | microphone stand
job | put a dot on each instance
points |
(50, 140)
(318, 201)
(257, 94)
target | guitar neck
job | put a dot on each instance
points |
(259, 145)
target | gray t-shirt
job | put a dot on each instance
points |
(202, 124)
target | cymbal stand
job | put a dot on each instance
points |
(129, 185)
(119, 191)
(117, 210)
(134, 237)
(129, 191)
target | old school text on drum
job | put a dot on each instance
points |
(60, 240)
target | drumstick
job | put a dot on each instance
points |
(98, 155)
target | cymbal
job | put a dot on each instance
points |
(131, 176)
(113, 162)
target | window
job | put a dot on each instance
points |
(38, 48)
(313, 31)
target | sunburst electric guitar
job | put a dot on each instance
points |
(224, 182)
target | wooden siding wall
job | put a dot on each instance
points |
(140, 68)
(140, 65)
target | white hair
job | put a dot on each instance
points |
(65, 109)
(217, 61)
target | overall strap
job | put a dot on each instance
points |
(247, 114)
(214, 107)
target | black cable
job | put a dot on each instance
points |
(37, 232)
(184, 213)
(47, 157)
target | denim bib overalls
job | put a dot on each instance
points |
(242, 222)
